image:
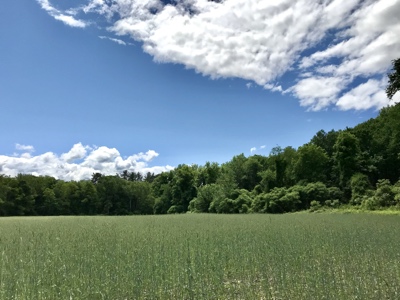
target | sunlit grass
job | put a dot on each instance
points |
(294, 256)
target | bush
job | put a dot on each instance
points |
(176, 209)
(315, 205)
(396, 192)
(369, 203)
(360, 186)
(332, 203)
(205, 196)
(335, 193)
(384, 195)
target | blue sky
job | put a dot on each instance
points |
(88, 86)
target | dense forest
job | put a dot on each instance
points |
(357, 167)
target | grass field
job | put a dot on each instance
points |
(293, 256)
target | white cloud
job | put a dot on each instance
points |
(369, 43)
(260, 41)
(318, 92)
(78, 151)
(367, 95)
(263, 147)
(28, 148)
(254, 149)
(118, 41)
(70, 21)
(58, 15)
(100, 159)
(273, 87)
(396, 97)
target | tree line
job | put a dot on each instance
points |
(357, 166)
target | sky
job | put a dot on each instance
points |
(145, 85)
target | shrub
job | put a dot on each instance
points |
(384, 195)
(205, 196)
(360, 185)
(176, 209)
(315, 205)
(332, 203)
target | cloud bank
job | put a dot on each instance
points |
(336, 50)
(78, 163)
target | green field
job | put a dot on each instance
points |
(293, 256)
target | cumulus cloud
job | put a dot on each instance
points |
(28, 148)
(318, 92)
(325, 44)
(367, 45)
(79, 163)
(78, 151)
(367, 95)
(253, 149)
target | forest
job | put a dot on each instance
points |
(357, 167)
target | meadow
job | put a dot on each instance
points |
(199, 256)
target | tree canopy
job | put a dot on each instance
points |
(394, 79)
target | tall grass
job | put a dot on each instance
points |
(295, 256)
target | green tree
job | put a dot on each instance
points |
(234, 171)
(208, 174)
(268, 180)
(360, 187)
(311, 164)
(252, 168)
(346, 156)
(20, 197)
(279, 165)
(91, 203)
(183, 187)
(113, 196)
(141, 200)
(394, 79)
(5, 187)
(386, 136)
(162, 192)
(205, 196)
(50, 203)
(325, 140)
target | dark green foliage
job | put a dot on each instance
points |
(239, 203)
(297, 197)
(396, 192)
(394, 79)
(325, 140)
(208, 174)
(384, 195)
(316, 191)
(360, 187)
(346, 156)
(183, 187)
(311, 164)
(315, 205)
(207, 194)
(288, 202)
